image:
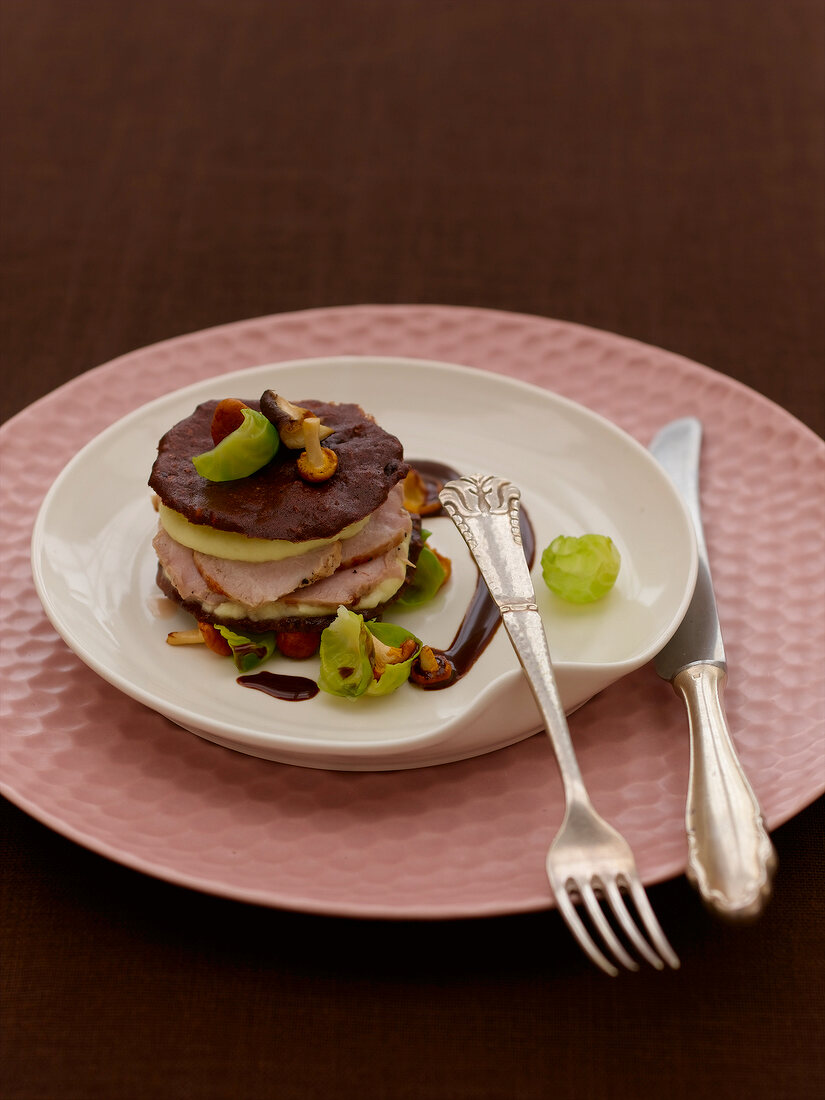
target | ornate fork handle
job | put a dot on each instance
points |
(485, 509)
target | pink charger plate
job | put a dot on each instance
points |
(457, 840)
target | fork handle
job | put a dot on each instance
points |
(526, 631)
(731, 860)
(485, 509)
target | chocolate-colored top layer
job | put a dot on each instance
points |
(275, 503)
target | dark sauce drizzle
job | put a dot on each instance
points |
(281, 686)
(477, 627)
(482, 618)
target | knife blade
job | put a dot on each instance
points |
(731, 860)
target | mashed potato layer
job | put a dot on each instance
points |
(237, 547)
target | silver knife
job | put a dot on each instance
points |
(731, 860)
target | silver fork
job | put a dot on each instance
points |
(588, 862)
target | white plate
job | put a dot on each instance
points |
(94, 566)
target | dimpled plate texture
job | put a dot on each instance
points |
(461, 839)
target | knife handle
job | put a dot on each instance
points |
(731, 860)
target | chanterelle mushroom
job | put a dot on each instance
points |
(418, 498)
(289, 420)
(431, 667)
(383, 655)
(316, 463)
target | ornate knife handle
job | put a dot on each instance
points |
(731, 860)
(485, 509)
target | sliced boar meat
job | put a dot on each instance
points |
(179, 565)
(348, 585)
(257, 583)
(389, 525)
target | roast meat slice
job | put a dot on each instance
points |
(389, 525)
(179, 565)
(348, 585)
(255, 583)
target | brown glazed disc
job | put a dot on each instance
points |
(275, 503)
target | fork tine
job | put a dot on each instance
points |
(616, 902)
(652, 926)
(574, 923)
(591, 904)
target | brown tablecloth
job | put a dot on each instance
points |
(647, 167)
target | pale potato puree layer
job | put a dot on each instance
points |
(237, 547)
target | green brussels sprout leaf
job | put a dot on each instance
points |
(345, 663)
(360, 658)
(395, 671)
(250, 447)
(428, 577)
(248, 650)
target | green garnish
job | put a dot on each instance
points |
(387, 657)
(248, 651)
(254, 443)
(428, 577)
(360, 658)
(580, 569)
(345, 665)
